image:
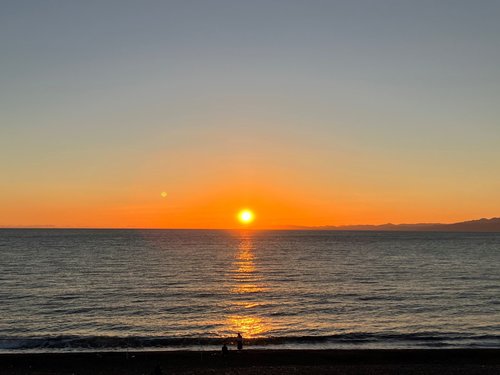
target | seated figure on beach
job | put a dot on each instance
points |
(239, 341)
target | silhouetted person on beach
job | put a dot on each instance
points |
(225, 350)
(239, 341)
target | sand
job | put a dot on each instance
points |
(439, 361)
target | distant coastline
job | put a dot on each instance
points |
(480, 225)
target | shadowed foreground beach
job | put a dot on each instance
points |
(443, 362)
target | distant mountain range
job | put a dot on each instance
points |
(481, 225)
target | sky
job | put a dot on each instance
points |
(307, 112)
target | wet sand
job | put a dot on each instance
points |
(374, 362)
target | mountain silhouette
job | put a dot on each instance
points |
(481, 225)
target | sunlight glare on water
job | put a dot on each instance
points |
(246, 281)
(170, 288)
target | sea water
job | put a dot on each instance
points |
(63, 290)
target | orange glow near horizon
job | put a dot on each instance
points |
(212, 205)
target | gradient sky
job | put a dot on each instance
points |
(308, 112)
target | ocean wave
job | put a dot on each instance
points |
(332, 341)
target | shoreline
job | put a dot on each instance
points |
(255, 361)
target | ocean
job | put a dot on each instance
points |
(87, 290)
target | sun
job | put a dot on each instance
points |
(245, 216)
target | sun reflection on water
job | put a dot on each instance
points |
(247, 286)
(248, 326)
(245, 276)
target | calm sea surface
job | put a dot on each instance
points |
(171, 289)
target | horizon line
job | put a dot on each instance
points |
(275, 227)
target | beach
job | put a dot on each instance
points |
(412, 361)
